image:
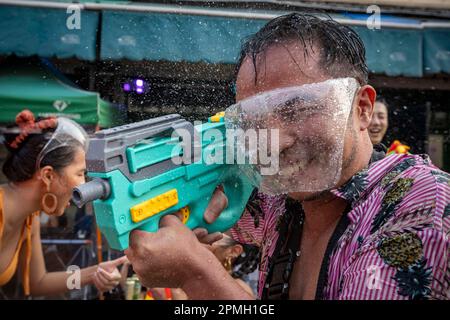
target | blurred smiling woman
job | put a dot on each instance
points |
(379, 123)
(46, 161)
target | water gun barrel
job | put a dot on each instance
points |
(93, 190)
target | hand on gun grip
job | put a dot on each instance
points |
(165, 258)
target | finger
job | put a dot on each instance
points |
(211, 238)
(135, 239)
(216, 205)
(108, 280)
(116, 275)
(169, 220)
(95, 281)
(200, 232)
(102, 285)
(110, 276)
(99, 284)
(113, 264)
(104, 277)
(119, 261)
(179, 215)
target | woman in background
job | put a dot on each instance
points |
(46, 161)
(379, 123)
(378, 127)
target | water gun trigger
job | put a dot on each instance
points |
(185, 212)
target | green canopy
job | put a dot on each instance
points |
(39, 90)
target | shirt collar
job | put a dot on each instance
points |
(365, 180)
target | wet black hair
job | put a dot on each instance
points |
(383, 101)
(342, 50)
(20, 164)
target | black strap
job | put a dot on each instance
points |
(342, 225)
(282, 263)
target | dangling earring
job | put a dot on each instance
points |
(49, 202)
(227, 264)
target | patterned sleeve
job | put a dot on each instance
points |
(406, 255)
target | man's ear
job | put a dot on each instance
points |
(47, 175)
(366, 101)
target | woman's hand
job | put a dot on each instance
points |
(107, 276)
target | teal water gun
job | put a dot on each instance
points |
(135, 180)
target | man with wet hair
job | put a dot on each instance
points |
(380, 232)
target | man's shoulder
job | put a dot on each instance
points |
(403, 228)
(419, 175)
(414, 192)
(419, 169)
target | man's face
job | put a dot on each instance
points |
(280, 69)
(379, 123)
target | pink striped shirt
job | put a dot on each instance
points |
(396, 245)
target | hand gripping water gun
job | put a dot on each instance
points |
(397, 148)
(136, 182)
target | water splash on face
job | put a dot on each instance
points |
(312, 121)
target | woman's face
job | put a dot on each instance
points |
(68, 178)
(379, 123)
